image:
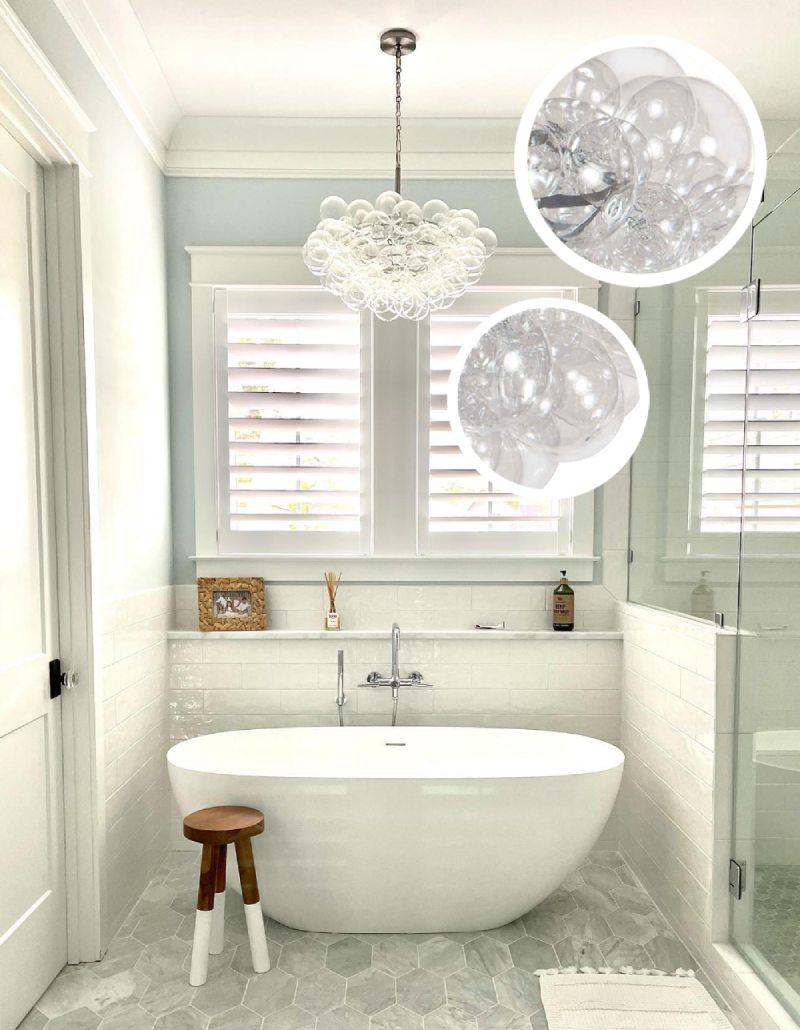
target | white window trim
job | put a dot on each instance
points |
(393, 540)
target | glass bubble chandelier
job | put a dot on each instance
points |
(394, 257)
(647, 162)
(549, 398)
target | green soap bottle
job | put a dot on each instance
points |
(563, 605)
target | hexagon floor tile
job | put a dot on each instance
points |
(449, 981)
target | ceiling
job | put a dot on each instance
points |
(476, 58)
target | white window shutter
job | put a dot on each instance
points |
(291, 404)
(769, 393)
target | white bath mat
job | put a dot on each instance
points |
(613, 1001)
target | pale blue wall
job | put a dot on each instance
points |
(126, 223)
(273, 212)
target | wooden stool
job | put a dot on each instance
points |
(215, 829)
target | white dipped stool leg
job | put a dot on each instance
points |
(204, 916)
(198, 972)
(258, 937)
(218, 922)
(252, 906)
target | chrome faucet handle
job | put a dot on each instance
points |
(416, 679)
(374, 678)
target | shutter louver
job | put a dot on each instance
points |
(768, 395)
(294, 423)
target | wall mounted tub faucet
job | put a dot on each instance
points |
(395, 680)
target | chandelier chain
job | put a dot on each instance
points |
(398, 59)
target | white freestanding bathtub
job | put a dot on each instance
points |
(417, 829)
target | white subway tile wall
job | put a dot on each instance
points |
(134, 688)
(674, 811)
(565, 684)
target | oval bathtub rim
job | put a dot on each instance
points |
(615, 757)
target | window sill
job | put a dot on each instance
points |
(388, 569)
(385, 634)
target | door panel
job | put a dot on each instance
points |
(32, 898)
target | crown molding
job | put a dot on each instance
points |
(36, 107)
(341, 148)
(114, 41)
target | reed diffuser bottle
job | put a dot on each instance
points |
(332, 580)
(563, 605)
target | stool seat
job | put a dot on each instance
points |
(224, 824)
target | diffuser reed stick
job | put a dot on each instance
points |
(332, 580)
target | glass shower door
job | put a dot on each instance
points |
(766, 921)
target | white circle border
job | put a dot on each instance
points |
(722, 77)
(609, 460)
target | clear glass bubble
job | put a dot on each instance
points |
(721, 130)
(388, 201)
(332, 207)
(592, 82)
(688, 170)
(544, 161)
(488, 239)
(655, 233)
(664, 112)
(562, 116)
(717, 208)
(601, 157)
(631, 62)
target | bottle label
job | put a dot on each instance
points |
(563, 609)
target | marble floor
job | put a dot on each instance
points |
(776, 926)
(449, 981)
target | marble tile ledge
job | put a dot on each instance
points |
(385, 634)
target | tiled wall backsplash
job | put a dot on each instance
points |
(419, 606)
(134, 687)
(563, 683)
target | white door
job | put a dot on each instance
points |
(32, 895)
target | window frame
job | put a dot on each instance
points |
(391, 542)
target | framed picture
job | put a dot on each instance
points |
(229, 604)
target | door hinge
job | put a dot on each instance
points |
(637, 307)
(55, 679)
(719, 619)
(630, 557)
(736, 878)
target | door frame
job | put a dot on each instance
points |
(39, 111)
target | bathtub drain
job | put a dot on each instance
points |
(394, 743)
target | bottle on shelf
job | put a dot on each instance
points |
(563, 605)
(702, 604)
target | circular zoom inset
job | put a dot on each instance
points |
(641, 161)
(548, 398)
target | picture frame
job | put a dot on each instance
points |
(231, 604)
